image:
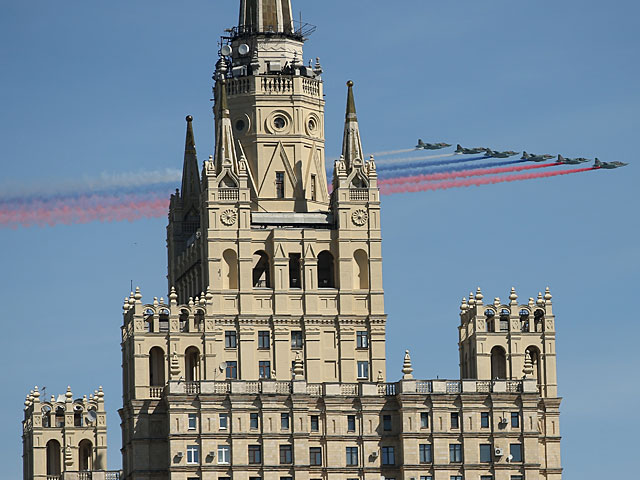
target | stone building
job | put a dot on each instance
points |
(267, 359)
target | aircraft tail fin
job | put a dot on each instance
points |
(458, 148)
(525, 155)
(597, 163)
(560, 158)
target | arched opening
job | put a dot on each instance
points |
(361, 270)
(156, 367)
(504, 320)
(325, 270)
(498, 363)
(227, 182)
(534, 353)
(85, 453)
(46, 416)
(192, 364)
(490, 316)
(77, 415)
(60, 417)
(164, 320)
(538, 318)
(524, 321)
(230, 270)
(359, 182)
(53, 457)
(184, 320)
(261, 270)
(198, 320)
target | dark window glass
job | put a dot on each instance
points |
(286, 454)
(253, 421)
(424, 420)
(296, 339)
(313, 188)
(325, 270)
(455, 420)
(263, 340)
(388, 456)
(351, 423)
(363, 370)
(484, 420)
(284, 421)
(255, 454)
(362, 339)
(515, 419)
(264, 369)
(515, 450)
(386, 423)
(315, 423)
(315, 456)
(425, 453)
(352, 456)
(279, 184)
(232, 370)
(230, 339)
(455, 453)
(485, 453)
(295, 277)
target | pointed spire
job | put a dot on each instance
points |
(407, 369)
(225, 154)
(273, 16)
(351, 143)
(190, 175)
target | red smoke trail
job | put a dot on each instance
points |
(462, 174)
(422, 187)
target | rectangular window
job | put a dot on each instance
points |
(264, 369)
(253, 421)
(517, 477)
(286, 455)
(255, 478)
(263, 340)
(284, 421)
(426, 477)
(386, 423)
(425, 453)
(455, 420)
(224, 421)
(313, 188)
(296, 339)
(351, 423)
(255, 454)
(232, 370)
(315, 423)
(484, 420)
(352, 456)
(295, 279)
(315, 456)
(486, 477)
(515, 450)
(455, 453)
(362, 339)
(455, 477)
(363, 370)
(230, 339)
(485, 453)
(286, 478)
(193, 454)
(515, 419)
(388, 456)
(424, 419)
(279, 184)
(224, 454)
(193, 421)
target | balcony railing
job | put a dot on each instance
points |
(359, 194)
(228, 194)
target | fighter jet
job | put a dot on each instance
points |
(469, 151)
(506, 154)
(430, 146)
(535, 158)
(571, 161)
(609, 165)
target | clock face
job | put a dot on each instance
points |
(240, 125)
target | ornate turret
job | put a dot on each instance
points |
(351, 143)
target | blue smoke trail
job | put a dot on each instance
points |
(428, 169)
(418, 164)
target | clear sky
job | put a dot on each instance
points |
(92, 87)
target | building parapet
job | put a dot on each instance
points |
(92, 475)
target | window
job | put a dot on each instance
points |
(362, 339)
(363, 370)
(351, 423)
(279, 184)
(253, 421)
(425, 453)
(485, 453)
(455, 420)
(264, 369)
(424, 419)
(388, 456)
(255, 454)
(515, 419)
(295, 279)
(498, 363)
(426, 477)
(315, 423)
(230, 339)
(285, 455)
(315, 456)
(284, 421)
(224, 421)
(517, 477)
(193, 421)
(224, 454)
(455, 477)
(486, 477)
(455, 453)
(286, 478)
(352, 456)
(232, 370)
(263, 340)
(484, 420)
(261, 275)
(193, 454)
(313, 188)
(515, 450)
(325, 270)
(386, 423)
(296, 339)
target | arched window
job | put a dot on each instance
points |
(361, 270)
(85, 453)
(230, 270)
(60, 417)
(164, 320)
(325, 270)
(261, 270)
(491, 320)
(184, 320)
(192, 364)
(46, 416)
(156, 367)
(538, 318)
(77, 415)
(53, 457)
(359, 182)
(227, 182)
(199, 320)
(498, 363)
(535, 360)
(524, 320)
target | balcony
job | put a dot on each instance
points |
(92, 475)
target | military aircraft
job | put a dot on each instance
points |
(609, 165)
(469, 151)
(506, 154)
(571, 161)
(535, 158)
(431, 146)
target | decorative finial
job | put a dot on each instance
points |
(496, 302)
(138, 295)
(173, 296)
(318, 68)
(191, 301)
(380, 377)
(100, 393)
(298, 368)
(407, 370)
(513, 296)
(189, 119)
(547, 295)
(479, 295)
(540, 301)
(36, 392)
(175, 365)
(528, 365)
(68, 394)
(125, 307)
(472, 300)
(531, 302)
(155, 301)
(464, 306)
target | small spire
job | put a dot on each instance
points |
(528, 365)
(472, 300)
(496, 302)
(138, 295)
(540, 301)
(547, 295)
(407, 369)
(173, 296)
(513, 296)
(351, 143)
(190, 176)
(464, 306)
(479, 295)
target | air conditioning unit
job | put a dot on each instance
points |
(499, 452)
(374, 454)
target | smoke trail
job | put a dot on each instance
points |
(422, 187)
(394, 152)
(463, 174)
(388, 161)
(429, 169)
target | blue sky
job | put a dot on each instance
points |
(90, 88)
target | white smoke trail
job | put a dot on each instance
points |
(393, 152)
(388, 161)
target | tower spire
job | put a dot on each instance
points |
(265, 16)
(225, 154)
(190, 177)
(351, 143)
